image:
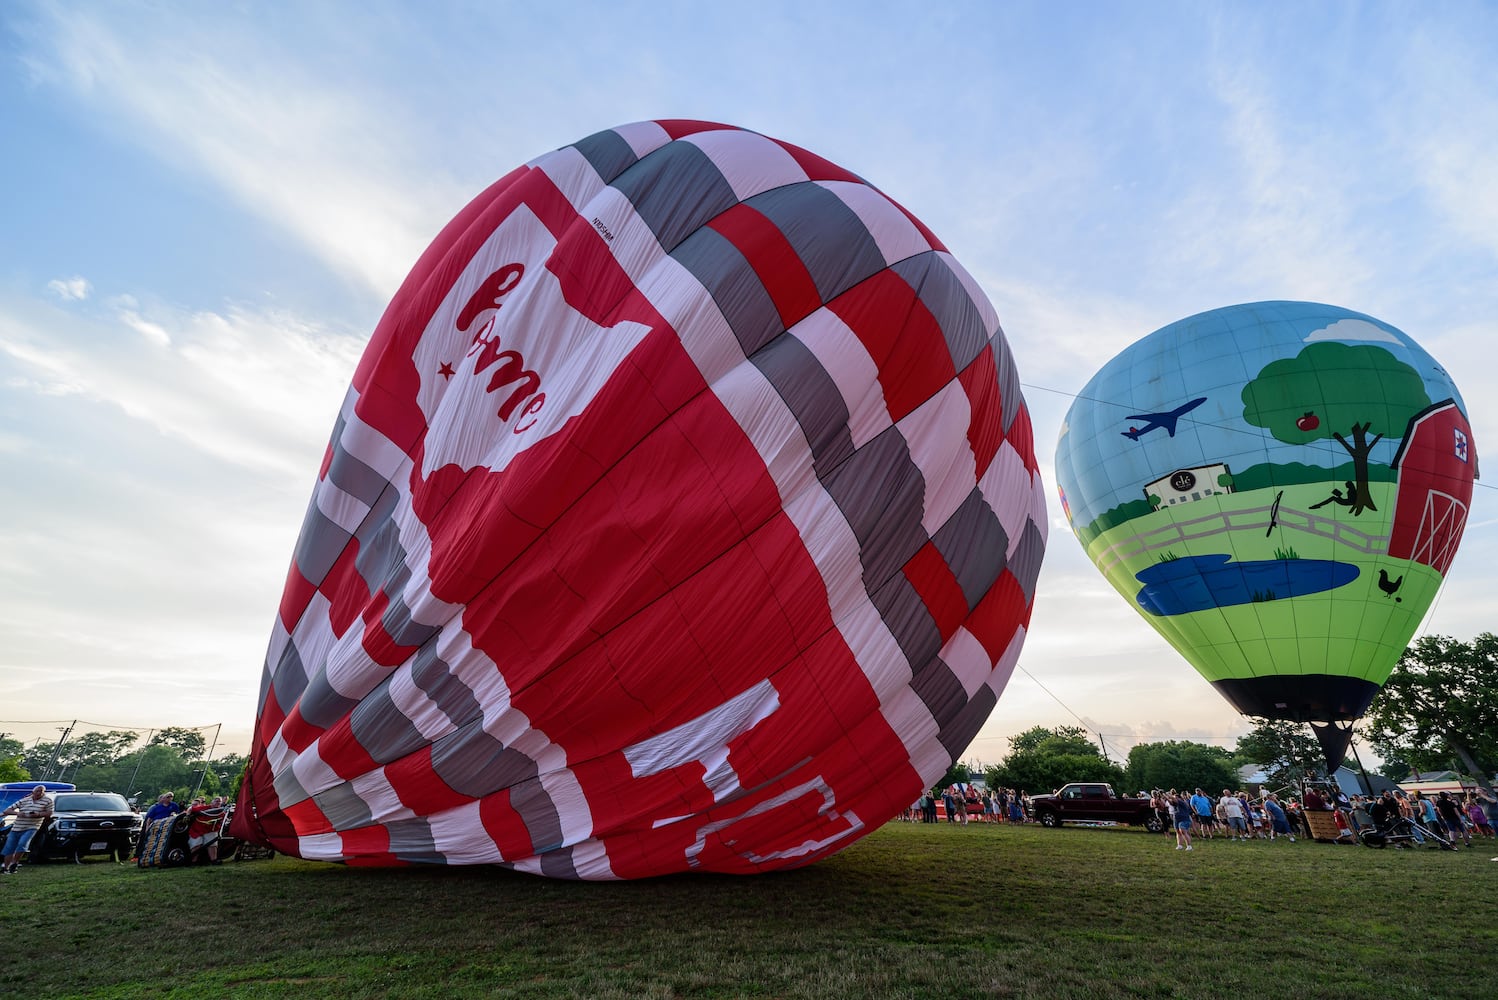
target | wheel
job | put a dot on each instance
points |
(1050, 819)
(1155, 824)
(37, 852)
(175, 856)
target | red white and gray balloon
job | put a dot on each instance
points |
(683, 514)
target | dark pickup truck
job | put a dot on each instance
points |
(1090, 802)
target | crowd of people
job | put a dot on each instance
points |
(964, 803)
(1238, 816)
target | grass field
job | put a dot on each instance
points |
(911, 911)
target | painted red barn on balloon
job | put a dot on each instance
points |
(1437, 463)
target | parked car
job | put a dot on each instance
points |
(1093, 802)
(85, 823)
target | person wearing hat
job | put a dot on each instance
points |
(30, 813)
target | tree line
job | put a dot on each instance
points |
(1438, 711)
(171, 760)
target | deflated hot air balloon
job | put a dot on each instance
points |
(682, 515)
(1279, 488)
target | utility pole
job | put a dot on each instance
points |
(47, 772)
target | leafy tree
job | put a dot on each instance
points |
(156, 769)
(95, 748)
(1299, 401)
(11, 769)
(1180, 764)
(1439, 707)
(1042, 759)
(1286, 751)
(189, 743)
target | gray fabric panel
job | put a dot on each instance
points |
(432, 675)
(941, 691)
(344, 809)
(412, 840)
(973, 544)
(382, 559)
(907, 618)
(473, 763)
(1010, 397)
(735, 288)
(812, 397)
(940, 290)
(355, 478)
(676, 189)
(959, 732)
(539, 814)
(558, 864)
(382, 729)
(289, 790)
(1026, 562)
(321, 705)
(318, 546)
(397, 619)
(290, 679)
(830, 239)
(609, 154)
(881, 492)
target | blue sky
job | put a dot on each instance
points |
(205, 208)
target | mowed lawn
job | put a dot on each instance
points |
(911, 911)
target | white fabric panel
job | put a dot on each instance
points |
(936, 432)
(1004, 669)
(321, 847)
(416, 705)
(343, 509)
(1006, 478)
(968, 660)
(895, 235)
(843, 356)
(455, 835)
(371, 447)
(911, 720)
(749, 162)
(643, 137)
(373, 789)
(573, 175)
(311, 773)
(591, 860)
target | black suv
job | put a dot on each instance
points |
(87, 823)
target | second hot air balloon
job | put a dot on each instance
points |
(1279, 488)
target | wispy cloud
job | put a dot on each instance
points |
(231, 102)
(74, 288)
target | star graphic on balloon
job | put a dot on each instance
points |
(446, 371)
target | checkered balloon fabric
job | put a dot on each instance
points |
(683, 514)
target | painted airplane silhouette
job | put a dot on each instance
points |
(1155, 421)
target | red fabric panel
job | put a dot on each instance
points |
(774, 261)
(980, 381)
(932, 579)
(901, 336)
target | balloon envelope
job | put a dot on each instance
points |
(1279, 489)
(682, 515)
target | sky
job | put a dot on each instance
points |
(204, 209)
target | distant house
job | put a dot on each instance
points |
(1435, 782)
(1437, 463)
(1186, 485)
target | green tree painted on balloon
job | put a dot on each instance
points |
(1329, 388)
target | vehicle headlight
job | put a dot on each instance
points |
(67, 824)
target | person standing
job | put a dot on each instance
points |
(1180, 810)
(30, 813)
(1451, 815)
(1232, 815)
